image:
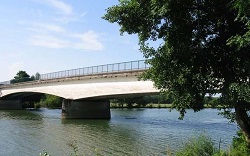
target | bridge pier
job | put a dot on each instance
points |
(10, 104)
(81, 109)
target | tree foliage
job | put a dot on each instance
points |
(141, 101)
(21, 76)
(50, 101)
(203, 48)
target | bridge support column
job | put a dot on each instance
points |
(80, 109)
(10, 104)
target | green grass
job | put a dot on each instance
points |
(204, 146)
(200, 146)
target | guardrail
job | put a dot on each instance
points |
(101, 69)
(5, 83)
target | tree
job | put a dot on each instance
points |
(203, 48)
(21, 76)
(37, 76)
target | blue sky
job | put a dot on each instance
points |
(52, 35)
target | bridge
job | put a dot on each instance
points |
(85, 90)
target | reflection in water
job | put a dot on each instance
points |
(128, 132)
(21, 114)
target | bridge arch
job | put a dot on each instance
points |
(84, 94)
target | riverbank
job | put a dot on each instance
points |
(151, 105)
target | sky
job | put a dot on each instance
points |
(52, 35)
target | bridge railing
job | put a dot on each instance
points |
(101, 69)
(5, 83)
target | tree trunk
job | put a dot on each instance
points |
(243, 120)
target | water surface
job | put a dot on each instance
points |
(128, 132)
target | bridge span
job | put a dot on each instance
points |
(85, 94)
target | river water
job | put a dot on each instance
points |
(128, 132)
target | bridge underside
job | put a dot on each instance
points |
(71, 109)
(10, 104)
(88, 108)
(85, 97)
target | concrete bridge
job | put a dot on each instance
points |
(85, 90)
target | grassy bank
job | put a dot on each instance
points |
(201, 145)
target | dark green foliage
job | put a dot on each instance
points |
(50, 101)
(21, 76)
(141, 101)
(240, 146)
(202, 48)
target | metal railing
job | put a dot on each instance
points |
(5, 83)
(101, 69)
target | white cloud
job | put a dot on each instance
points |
(48, 41)
(49, 27)
(64, 12)
(65, 8)
(88, 41)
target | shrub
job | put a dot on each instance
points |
(240, 146)
(51, 101)
(201, 146)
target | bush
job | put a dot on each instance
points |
(201, 146)
(51, 101)
(240, 146)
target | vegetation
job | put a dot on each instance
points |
(203, 146)
(49, 101)
(195, 48)
(22, 76)
(239, 145)
(142, 101)
(156, 101)
(200, 146)
(196, 146)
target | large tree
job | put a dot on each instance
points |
(21, 76)
(203, 48)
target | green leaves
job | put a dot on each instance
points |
(203, 49)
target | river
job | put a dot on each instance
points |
(128, 132)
